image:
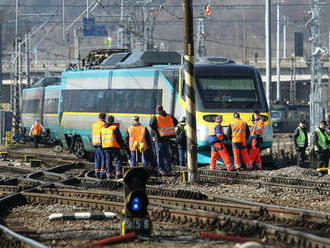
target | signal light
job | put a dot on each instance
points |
(136, 202)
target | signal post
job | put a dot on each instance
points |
(190, 90)
(135, 212)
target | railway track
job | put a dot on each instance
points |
(202, 215)
(186, 208)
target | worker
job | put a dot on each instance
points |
(257, 132)
(35, 131)
(328, 146)
(181, 140)
(112, 142)
(138, 138)
(238, 132)
(99, 155)
(300, 141)
(216, 140)
(163, 128)
(320, 145)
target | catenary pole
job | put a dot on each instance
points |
(268, 50)
(188, 34)
(278, 59)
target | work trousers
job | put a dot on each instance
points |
(255, 155)
(99, 161)
(182, 150)
(163, 155)
(322, 158)
(36, 141)
(217, 149)
(113, 154)
(141, 156)
(240, 148)
(301, 156)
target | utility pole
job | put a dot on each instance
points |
(121, 32)
(293, 80)
(16, 98)
(316, 108)
(268, 50)
(244, 38)
(27, 58)
(201, 48)
(285, 18)
(278, 59)
(76, 46)
(63, 18)
(190, 90)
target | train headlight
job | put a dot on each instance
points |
(209, 118)
(264, 118)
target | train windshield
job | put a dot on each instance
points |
(275, 114)
(228, 92)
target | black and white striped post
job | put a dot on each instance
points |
(190, 90)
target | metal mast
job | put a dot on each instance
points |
(278, 59)
(16, 95)
(121, 31)
(201, 48)
(268, 49)
(152, 14)
(316, 109)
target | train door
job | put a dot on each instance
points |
(172, 77)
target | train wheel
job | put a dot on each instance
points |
(79, 150)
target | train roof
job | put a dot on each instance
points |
(225, 68)
(141, 59)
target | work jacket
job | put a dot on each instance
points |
(320, 139)
(300, 138)
(257, 128)
(137, 137)
(36, 129)
(96, 132)
(239, 131)
(111, 136)
(216, 133)
(163, 125)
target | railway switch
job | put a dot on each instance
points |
(135, 212)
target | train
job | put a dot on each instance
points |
(285, 118)
(133, 83)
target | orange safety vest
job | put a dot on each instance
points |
(165, 125)
(212, 130)
(108, 137)
(36, 130)
(137, 134)
(238, 128)
(257, 127)
(96, 133)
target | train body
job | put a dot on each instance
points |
(285, 118)
(135, 86)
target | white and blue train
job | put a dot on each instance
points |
(128, 84)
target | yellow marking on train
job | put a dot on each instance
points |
(227, 117)
(90, 113)
(50, 114)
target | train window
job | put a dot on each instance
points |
(139, 101)
(109, 99)
(90, 100)
(31, 106)
(118, 101)
(228, 92)
(100, 98)
(50, 106)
